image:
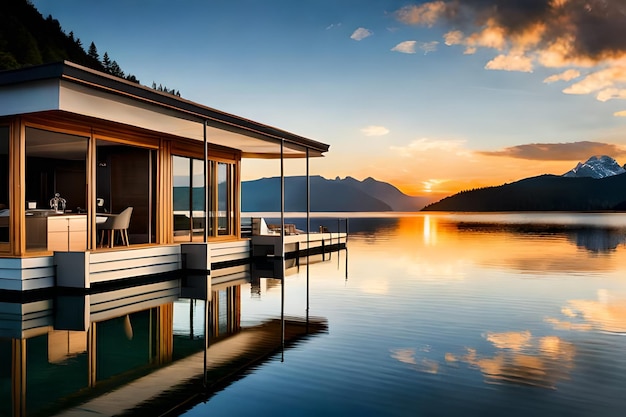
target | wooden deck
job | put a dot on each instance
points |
(297, 244)
(82, 269)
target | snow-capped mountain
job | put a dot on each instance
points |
(596, 167)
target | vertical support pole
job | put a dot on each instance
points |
(92, 181)
(207, 333)
(347, 232)
(18, 376)
(282, 198)
(282, 311)
(282, 244)
(208, 329)
(308, 232)
(91, 356)
(206, 184)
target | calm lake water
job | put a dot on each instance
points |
(423, 315)
(448, 315)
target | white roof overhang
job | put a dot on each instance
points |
(74, 89)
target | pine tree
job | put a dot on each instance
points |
(93, 52)
(106, 61)
(116, 70)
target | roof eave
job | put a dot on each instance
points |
(213, 117)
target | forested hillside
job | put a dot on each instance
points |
(27, 38)
(542, 193)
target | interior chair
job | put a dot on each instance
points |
(116, 222)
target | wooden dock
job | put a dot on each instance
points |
(297, 245)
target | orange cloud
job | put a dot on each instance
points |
(424, 14)
(574, 151)
(467, 169)
(598, 80)
(511, 62)
(549, 33)
(611, 93)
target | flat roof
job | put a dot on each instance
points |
(69, 87)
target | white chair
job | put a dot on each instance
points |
(116, 222)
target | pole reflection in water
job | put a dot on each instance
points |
(282, 312)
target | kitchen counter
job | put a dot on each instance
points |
(49, 230)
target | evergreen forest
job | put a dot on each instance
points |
(27, 39)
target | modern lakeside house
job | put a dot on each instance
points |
(78, 147)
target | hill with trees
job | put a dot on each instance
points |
(27, 38)
(542, 193)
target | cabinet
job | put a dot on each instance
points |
(67, 233)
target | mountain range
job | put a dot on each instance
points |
(598, 184)
(347, 195)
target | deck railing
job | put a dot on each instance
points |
(318, 224)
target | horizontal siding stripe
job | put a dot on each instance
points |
(120, 264)
(133, 272)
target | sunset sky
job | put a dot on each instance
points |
(434, 97)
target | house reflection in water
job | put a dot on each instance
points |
(139, 347)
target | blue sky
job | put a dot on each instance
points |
(434, 97)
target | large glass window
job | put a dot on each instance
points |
(56, 163)
(4, 184)
(190, 204)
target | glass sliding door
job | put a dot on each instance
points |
(126, 177)
(225, 198)
(190, 205)
(189, 199)
(198, 203)
(182, 198)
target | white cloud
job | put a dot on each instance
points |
(360, 34)
(429, 46)
(600, 80)
(409, 47)
(375, 130)
(611, 93)
(333, 25)
(511, 62)
(424, 145)
(620, 113)
(406, 47)
(568, 75)
(454, 37)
